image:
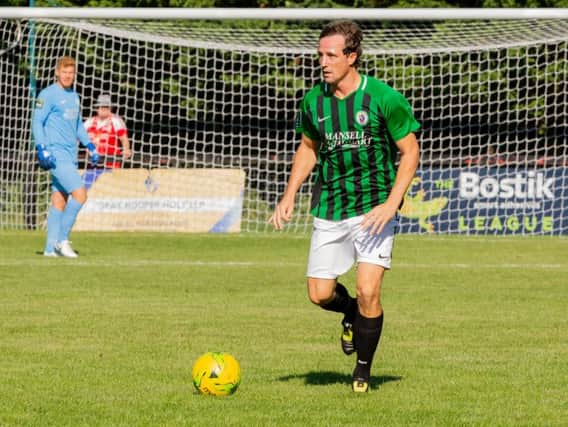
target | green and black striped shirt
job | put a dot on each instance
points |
(356, 139)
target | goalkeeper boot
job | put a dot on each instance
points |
(347, 343)
(51, 254)
(64, 249)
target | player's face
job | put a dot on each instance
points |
(335, 64)
(65, 76)
(103, 112)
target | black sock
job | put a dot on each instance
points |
(351, 312)
(366, 333)
(341, 302)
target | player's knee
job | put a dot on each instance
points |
(319, 297)
(313, 297)
(80, 195)
(317, 301)
(368, 296)
(320, 291)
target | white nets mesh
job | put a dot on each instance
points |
(491, 97)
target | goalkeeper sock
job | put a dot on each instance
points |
(341, 302)
(68, 219)
(367, 332)
(53, 227)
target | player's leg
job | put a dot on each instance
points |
(74, 205)
(69, 178)
(368, 324)
(58, 201)
(332, 254)
(330, 295)
(374, 254)
(333, 296)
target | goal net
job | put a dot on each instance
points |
(207, 96)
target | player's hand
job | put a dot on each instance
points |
(126, 153)
(45, 158)
(282, 213)
(376, 219)
(94, 156)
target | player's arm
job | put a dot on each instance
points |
(409, 157)
(402, 126)
(82, 135)
(86, 142)
(122, 134)
(40, 115)
(126, 151)
(88, 125)
(304, 161)
(379, 216)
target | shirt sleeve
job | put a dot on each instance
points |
(119, 126)
(41, 112)
(399, 116)
(304, 123)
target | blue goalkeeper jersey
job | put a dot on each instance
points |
(57, 122)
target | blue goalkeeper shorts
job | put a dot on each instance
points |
(65, 177)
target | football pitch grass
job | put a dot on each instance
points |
(476, 333)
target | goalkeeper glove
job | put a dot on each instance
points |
(93, 153)
(46, 159)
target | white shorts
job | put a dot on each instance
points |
(336, 245)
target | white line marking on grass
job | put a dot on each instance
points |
(485, 266)
(260, 264)
(133, 263)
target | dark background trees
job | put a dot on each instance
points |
(288, 3)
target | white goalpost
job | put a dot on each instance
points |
(209, 97)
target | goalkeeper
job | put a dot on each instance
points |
(353, 126)
(56, 127)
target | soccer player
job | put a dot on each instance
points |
(108, 132)
(56, 127)
(353, 127)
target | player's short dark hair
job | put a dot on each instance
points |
(352, 34)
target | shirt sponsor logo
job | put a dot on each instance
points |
(71, 114)
(352, 138)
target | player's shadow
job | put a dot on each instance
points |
(41, 253)
(328, 377)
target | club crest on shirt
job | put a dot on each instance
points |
(362, 118)
(39, 103)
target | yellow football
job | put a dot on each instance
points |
(216, 373)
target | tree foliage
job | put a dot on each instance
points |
(290, 3)
(479, 79)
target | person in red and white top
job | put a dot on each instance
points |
(109, 134)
